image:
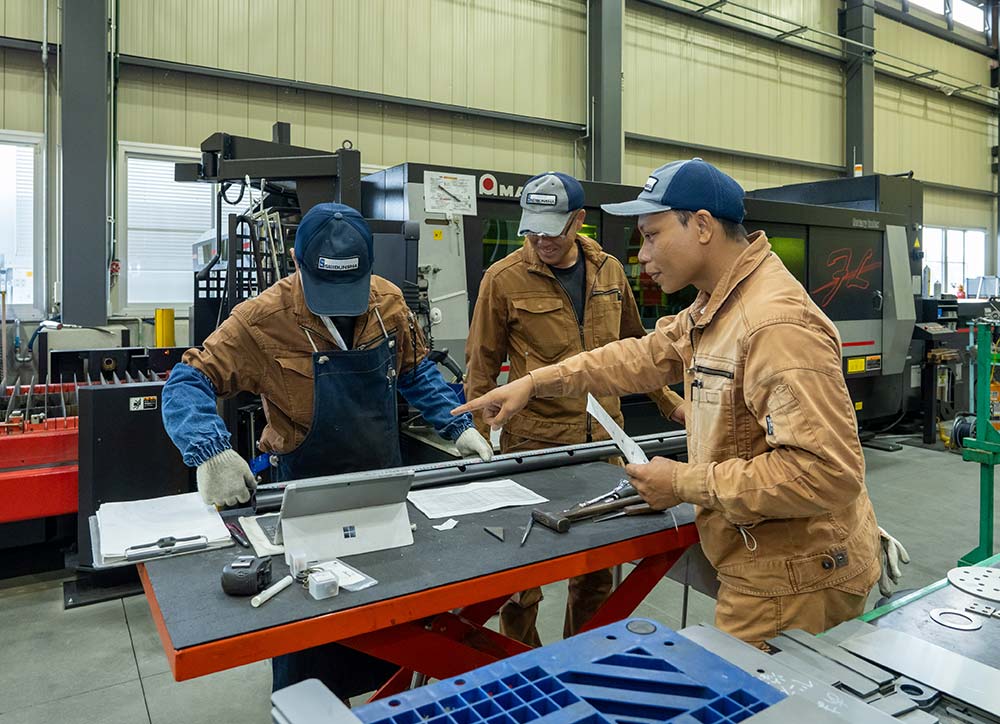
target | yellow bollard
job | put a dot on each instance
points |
(164, 325)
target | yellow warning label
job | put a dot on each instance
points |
(855, 364)
(859, 405)
(916, 243)
(438, 234)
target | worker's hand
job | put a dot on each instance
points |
(225, 479)
(679, 414)
(654, 481)
(471, 443)
(893, 553)
(501, 404)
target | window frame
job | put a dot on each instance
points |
(945, 282)
(37, 310)
(157, 152)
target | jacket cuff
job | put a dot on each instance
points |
(548, 382)
(691, 483)
(668, 403)
(204, 450)
(456, 427)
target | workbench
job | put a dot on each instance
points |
(428, 611)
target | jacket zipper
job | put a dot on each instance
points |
(713, 371)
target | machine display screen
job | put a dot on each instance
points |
(792, 253)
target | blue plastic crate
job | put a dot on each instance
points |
(612, 675)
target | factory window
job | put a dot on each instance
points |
(21, 249)
(953, 256)
(935, 6)
(969, 14)
(160, 221)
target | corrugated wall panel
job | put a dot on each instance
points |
(818, 14)
(169, 31)
(948, 208)
(641, 158)
(912, 44)
(202, 33)
(941, 139)
(22, 91)
(181, 110)
(691, 81)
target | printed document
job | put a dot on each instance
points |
(451, 500)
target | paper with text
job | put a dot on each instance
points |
(451, 500)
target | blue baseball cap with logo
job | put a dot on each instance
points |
(334, 252)
(549, 201)
(689, 186)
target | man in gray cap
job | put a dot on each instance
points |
(775, 468)
(558, 295)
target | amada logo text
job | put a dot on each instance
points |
(489, 186)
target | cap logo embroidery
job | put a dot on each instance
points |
(327, 264)
(650, 184)
(542, 199)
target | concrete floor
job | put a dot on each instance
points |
(104, 663)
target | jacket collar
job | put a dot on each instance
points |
(751, 258)
(305, 318)
(593, 254)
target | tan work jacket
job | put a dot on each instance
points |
(776, 469)
(264, 348)
(524, 314)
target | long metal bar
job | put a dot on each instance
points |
(462, 471)
(141, 62)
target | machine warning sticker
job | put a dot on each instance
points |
(873, 362)
(855, 365)
(859, 406)
(136, 404)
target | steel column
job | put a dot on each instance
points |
(859, 126)
(604, 93)
(84, 298)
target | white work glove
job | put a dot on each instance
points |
(893, 553)
(225, 479)
(471, 443)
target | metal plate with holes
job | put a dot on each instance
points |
(982, 609)
(953, 618)
(920, 694)
(982, 582)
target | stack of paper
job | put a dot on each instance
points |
(143, 522)
(452, 500)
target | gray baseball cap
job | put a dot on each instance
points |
(549, 201)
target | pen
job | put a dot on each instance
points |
(237, 534)
(268, 593)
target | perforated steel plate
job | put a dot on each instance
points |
(982, 582)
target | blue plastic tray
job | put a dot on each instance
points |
(612, 675)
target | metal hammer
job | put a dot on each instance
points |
(561, 522)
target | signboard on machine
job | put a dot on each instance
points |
(491, 187)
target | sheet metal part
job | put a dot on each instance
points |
(785, 679)
(847, 629)
(894, 704)
(879, 675)
(922, 695)
(953, 618)
(955, 676)
(962, 716)
(527, 529)
(268, 497)
(983, 610)
(918, 716)
(982, 582)
(829, 671)
(799, 709)
(496, 532)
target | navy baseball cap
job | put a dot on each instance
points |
(689, 186)
(334, 251)
(548, 201)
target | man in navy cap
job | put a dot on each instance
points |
(775, 468)
(326, 349)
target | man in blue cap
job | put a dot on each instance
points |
(326, 349)
(775, 468)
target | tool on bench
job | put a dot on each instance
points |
(246, 576)
(561, 522)
(641, 509)
(527, 529)
(624, 489)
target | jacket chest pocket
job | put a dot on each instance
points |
(713, 427)
(543, 328)
(297, 384)
(605, 311)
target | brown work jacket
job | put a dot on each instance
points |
(775, 465)
(524, 314)
(264, 348)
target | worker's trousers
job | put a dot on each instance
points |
(755, 619)
(586, 593)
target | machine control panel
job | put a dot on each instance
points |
(931, 331)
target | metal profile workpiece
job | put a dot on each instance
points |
(785, 679)
(855, 663)
(833, 673)
(953, 675)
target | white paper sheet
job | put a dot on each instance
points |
(447, 525)
(138, 522)
(629, 447)
(452, 500)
